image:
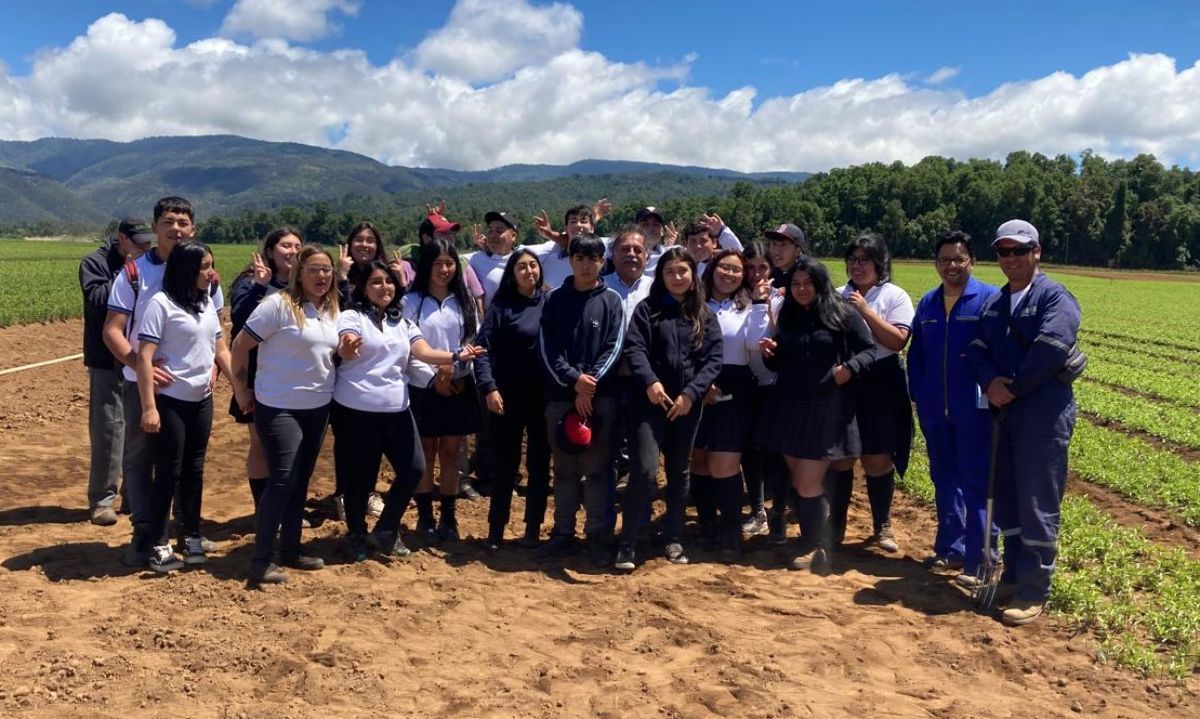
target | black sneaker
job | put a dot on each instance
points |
(303, 563)
(267, 574)
(428, 532)
(626, 558)
(135, 557)
(356, 547)
(559, 545)
(757, 524)
(389, 544)
(731, 548)
(448, 529)
(675, 554)
(532, 537)
(467, 492)
(777, 531)
(598, 551)
(163, 559)
(495, 539)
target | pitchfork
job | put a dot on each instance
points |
(987, 576)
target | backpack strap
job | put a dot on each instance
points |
(131, 274)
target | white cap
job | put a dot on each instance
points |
(1017, 230)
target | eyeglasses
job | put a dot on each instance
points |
(858, 260)
(1013, 251)
(953, 261)
(731, 269)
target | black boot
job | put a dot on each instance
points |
(839, 487)
(879, 491)
(448, 524)
(704, 494)
(426, 524)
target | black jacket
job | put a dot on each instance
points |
(581, 333)
(807, 352)
(510, 334)
(96, 274)
(659, 348)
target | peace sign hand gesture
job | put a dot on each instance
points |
(345, 262)
(262, 272)
(541, 223)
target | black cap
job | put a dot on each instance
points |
(495, 216)
(136, 229)
(647, 212)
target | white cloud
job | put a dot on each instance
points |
(942, 74)
(125, 79)
(288, 19)
(488, 39)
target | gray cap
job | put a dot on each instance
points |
(1018, 231)
(137, 230)
(786, 232)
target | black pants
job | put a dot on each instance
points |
(360, 442)
(651, 433)
(291, 440)
(524, 413)
(767, 475)
(178, 450)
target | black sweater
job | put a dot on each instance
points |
(581, 333)
(659, 348)
(96, 274)
(510, 335)
(808, 351)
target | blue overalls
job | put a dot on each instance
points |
(956, 427)
(1031, 463)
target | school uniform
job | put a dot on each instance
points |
(660, 348)
(556, 262)
(371, 418)
(1027, 336)
(513, 368)
(292, 392)
(441, 324)
(186, 345)
(244, 296)
(764, 469)
(954, 417)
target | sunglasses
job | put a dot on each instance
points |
(1013, 251)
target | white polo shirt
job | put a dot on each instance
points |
(295, 364)
(441, 324)
(740, 329)
(556, 263)
(889, 302)
(186, 342)
(377, 380)
(490, 270)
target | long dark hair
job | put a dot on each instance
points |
(359, 273)
(875, 248)
(358, 294)
(458, 287)
(179, 277)
(830, 308)
(692, 307)
(508, 282)
(268, 250)
(741, 296)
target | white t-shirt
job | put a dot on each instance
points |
(441, 324)
(490, 270)
(1014, 299)
(377, 380)
(186, 341)
(740, 329)
(295, 364)
(889, 302)
(122, 297)
(556, 263)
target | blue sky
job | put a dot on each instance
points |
(902, 79)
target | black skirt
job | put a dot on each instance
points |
(818, 425)
(728, 425)
(440, 416)
(883, 410)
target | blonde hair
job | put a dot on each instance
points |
(294, 294)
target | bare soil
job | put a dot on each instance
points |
(460, 632)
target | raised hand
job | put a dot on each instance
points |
(600, 210)
(479, 237)
(345, 262)
(396, 265)
(541, 223)
(714, 223)
(438, 209)
(260, 268)
(670, 234)
(762, 289)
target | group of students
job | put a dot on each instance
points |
(745, 368)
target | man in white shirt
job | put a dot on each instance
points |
(489, 263)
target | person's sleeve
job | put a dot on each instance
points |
(349, 323)
(916, 348)
(614, 336)
(709, 363)
(864, 351)
(244, 296)
(758, 324)
(727, 240)
(343, 287)
(95, 283)
(1049, 349)
(552, 351)
(637, 346)
(484, 379)
(979, 353)
(266, 319)
(900, 312)
(218, 298)
(420, 374)
(472, 281)
(151, 327)
(121, 297)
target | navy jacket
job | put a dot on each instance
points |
(581, 333)
(807, 351)
(1048, 318)
(96, 274)
(940, 379)
(510, 335)
(659, 348)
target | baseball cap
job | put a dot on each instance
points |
(574, 434)
(648, 212)
(441, 224)
(136, 229)
(786, 232)
(495, 216)
(1017, 230)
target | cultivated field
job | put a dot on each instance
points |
(459, 632)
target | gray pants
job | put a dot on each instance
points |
(581, 476)
(106, 431)
(138, 462)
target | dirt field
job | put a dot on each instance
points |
(465, 633)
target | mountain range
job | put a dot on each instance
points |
(80, 183)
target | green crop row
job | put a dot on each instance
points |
(1180, 389)
(1137, 597)
(1172, 423)
(1137, 354)
(1147, 475)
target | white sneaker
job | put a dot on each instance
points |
(339, 505)
(194, 551)
(163, 559)
(374, 505)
